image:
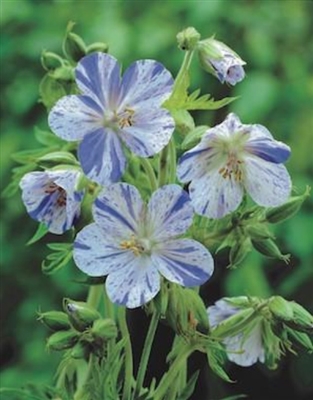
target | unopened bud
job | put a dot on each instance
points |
(197, 312)
(270, 249)
(55, 320)
(184, 122)
(104, 329)
(280, 308)
(239, 251)
(259, 232)
(73, 46)
(272, 345)
(98, 46)
(301, 338)
(62, 340)
(50, 61)
(79, 351)
(188, 39)
(278, 214)
(302, 320)
(160, 302)
(81, 315)
(64, 73)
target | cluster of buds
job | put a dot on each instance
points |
(80, 329)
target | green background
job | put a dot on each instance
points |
(275, 39)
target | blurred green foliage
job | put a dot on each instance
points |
(273, 37)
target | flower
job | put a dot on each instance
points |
(50, 198)
(232, 157)
(112, 111)
(221, 61)
(134, 244)
(245, 348)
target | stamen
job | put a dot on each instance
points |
(232, 168)
(51, 188)
(135, 245)
(126, 118)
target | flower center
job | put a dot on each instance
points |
(232, 168)
(61, 197)
(136, 245)
(119, 120)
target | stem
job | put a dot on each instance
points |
(94, 295)
(172, 161)
(150, 173)
(183, 69)
(163, 166)
(146, 353)
(121, 316)
(174, 369)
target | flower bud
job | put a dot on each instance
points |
(98, 46)
(301, 338)
(280, 308)
(50, 61)
(62, 340)
(221, 61)
(64, 73)
(55, 158)
(79, 351)
(104, 329)
(74, 47)
(188, 39)
(259, 232)
(239, 251)
(160, 302)
(55, 320)
(271, 344)
(278, 214)
(81, 315)
(197, 312)
(302, 320)
(184, 122)
(270, 249)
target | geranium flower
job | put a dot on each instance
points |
(221, 61)
(50, 198)
(232, 157)
(134, 244)
(245, 348)
(112, 111)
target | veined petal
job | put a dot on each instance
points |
(268, 149)
(184, 261)
(215, 196)
(98, 77)
(169, 212)
(135, 284)
(267, 183)
(118, 209)
(101, 156)
(151, 131)
(73, 117)
(97, 253)
(219, 311)
(146, 81)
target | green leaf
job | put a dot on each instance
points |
(235, 397)
(215, 360)
(204, 102)
(27, 156)
(50, 91)
(58, 259)
(189, 388)
(179, 94)
(41, 231)
(48, 138)
(193, 137)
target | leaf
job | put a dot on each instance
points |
(58, 259)
(48, 138)
(193, 137)
(179, 94)
(41, 231)
(27, 156)
(190, 387)
(50, 91)
(235, 397)
(204, 102)
(215, 358)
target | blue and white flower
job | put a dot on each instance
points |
(112, 111)
(134, 244)
(50, 197)
(221, 61)
(245, 348)
(230, 158)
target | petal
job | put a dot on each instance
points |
(220, 311)
(235, 74)
(97, 254)
(101, 156)
(151, 131)
(268, 149)
(215, 196)
(169, 212)
(118, 209)
(146, 81)
(246, 351)
(268, 184)
(73, 117)
(135, 284)
(98, 77)
(184, 261)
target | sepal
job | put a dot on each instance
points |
(80, 314)
(55, 320)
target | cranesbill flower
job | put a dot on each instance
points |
(50, 197)
(233, 157)
(221, 61)
(245, 348)
(134, 244)
(112, 111)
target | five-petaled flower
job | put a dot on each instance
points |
(50, 197)
(112, 111)
(232, 157)
(221, 61)
(134, 243)
(245, 348)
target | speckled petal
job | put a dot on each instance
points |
(101, 156)
(135, 284)
(184, 261)
(267, 183)
(98, 77)
(146, 81)
(219, 311)
(118, 209)
(214, 196)
(268, 149)
(97, 253)
(73, 117)
(170, 212)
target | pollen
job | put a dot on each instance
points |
(134, 245)
(233, 168)
(126, 118)
(61, 197)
